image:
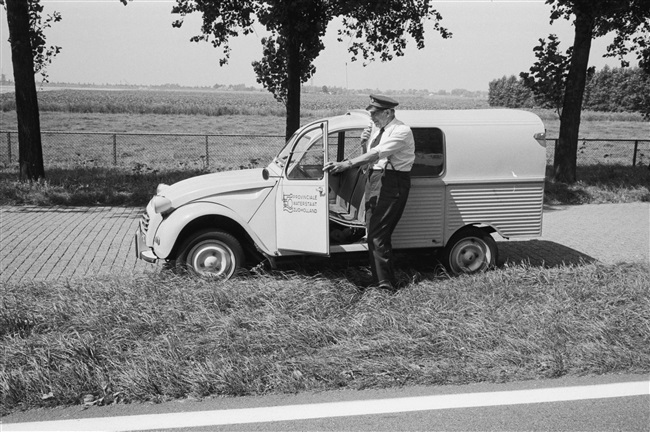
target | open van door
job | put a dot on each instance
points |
(302, 206)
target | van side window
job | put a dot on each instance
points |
(429, 152)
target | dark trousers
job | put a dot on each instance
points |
(386, 195)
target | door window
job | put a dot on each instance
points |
(306, 161)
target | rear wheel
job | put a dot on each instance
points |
(471, 250)
(213, 254)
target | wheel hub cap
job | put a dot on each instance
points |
(212, 260)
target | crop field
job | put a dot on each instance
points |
(214, 103)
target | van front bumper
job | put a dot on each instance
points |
(141, 250)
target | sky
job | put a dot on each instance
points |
(105, 42)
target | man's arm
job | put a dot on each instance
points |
(337, 167)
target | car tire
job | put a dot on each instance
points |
(211, 254)
(470, 251)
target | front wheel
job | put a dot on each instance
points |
(211, 253)
(471, 250)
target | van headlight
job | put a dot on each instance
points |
(161, 204)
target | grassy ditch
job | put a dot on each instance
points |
(84, 186)
(88, 187)
(156, 338)
(599, 184)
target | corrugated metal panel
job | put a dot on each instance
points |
(515, 210)
(422, 223)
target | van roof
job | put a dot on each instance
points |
(438, 118)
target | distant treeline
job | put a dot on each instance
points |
(610, 90)
(333, 90)
(330, 90)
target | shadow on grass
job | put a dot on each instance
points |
(418, 265)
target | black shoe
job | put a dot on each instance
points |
(387, 286)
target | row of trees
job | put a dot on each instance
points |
(610, 90)
(376, 30)
(510, 92)
(619, 89)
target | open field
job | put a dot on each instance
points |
(204, 113)
(591, 127)
(94, 144)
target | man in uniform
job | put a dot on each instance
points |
(390, 157)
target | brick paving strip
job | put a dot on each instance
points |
(611, 233)
(50, 243)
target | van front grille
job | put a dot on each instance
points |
(144, 222)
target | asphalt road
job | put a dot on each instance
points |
(603, 403)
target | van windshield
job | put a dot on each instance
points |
(299, 148)
(281, 159)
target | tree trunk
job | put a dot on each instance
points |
(30, 151)
(293, 86)
(566, 148)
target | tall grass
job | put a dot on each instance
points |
(85, 186)
(599, 184)
(159, 337)
(593, 116)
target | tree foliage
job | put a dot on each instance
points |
(510, 92)
(628, 20)
(377, 29)
(607, 90)
(42, 54)
(619, 90)
(548, 74)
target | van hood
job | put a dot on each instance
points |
(210, 185)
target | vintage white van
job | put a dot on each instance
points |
(476, 172)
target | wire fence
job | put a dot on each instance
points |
(164, 151)
(593, 151)
(147, 150)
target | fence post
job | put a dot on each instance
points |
(114, 149)
(9, 146)
(636, 147)
(207, 153)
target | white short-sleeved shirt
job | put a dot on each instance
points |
(396, 146)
